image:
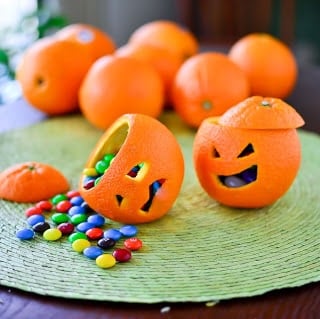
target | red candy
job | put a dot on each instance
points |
(34, 210)
(63, 206)
(44, 205)
(72, 193)
(122, 254)
(66, 228)
(133, 243)
(94, 233)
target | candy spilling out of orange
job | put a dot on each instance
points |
(168, 35)
(116, 85)
(143, 176)
(207, 84)
(96, 41)
(50, 74)
(250, 156)
(31, 182)
(268, 62)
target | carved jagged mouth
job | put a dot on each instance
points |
(243, 178)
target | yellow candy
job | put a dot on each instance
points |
(90, 171)
(105, 261)
(80, 245)
(52, 234)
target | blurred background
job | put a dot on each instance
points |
(216, 24)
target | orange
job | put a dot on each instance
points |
(269, 63)
(248, 157)
(144, 173)
(169, 35)
(207, 84)
(30, 182)
(165, 62)
(50, 74)
(118, 85)
(93, 39)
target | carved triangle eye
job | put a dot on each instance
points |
(247, 151)
(215, 153)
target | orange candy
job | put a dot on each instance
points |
(136, 140)
(268, 62)
(50, 75)
(250, 156)
(118, 85)
(31, 182)
(207, 84)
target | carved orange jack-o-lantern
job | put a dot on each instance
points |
(143, 179)
(249, 156)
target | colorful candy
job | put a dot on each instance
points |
(105, 261)
(72, 217)
(52, 234)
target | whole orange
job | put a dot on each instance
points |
(169, 35)
(30, 182)
(50, 74)
(269, 63)
(249, 156)
(118, 85)
(207, 84)
(92, 38)
(164, 61)
(144, 176)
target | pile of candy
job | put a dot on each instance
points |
(69, 215)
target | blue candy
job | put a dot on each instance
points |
(74, 210)
(128, 230)
(25, 234)
(84, 226)
(112, 233)
(35, 219)
(93, 252)
(97, 220)
(76, 200)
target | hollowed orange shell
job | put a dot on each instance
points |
(275, 153)
(136, 139)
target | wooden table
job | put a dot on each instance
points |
(292, 303)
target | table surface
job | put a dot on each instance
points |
(301, 302)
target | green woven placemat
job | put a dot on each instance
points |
(199, 251)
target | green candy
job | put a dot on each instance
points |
(59, 198)
(78, 218)
(59, 218)
(73, 237)
(101, 166)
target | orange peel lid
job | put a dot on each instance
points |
(259, 112)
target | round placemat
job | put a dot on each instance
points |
(200, 251)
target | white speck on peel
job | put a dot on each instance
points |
(165, 309)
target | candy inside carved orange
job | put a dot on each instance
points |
(144, 173)
(250, 156)
(30, 182)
